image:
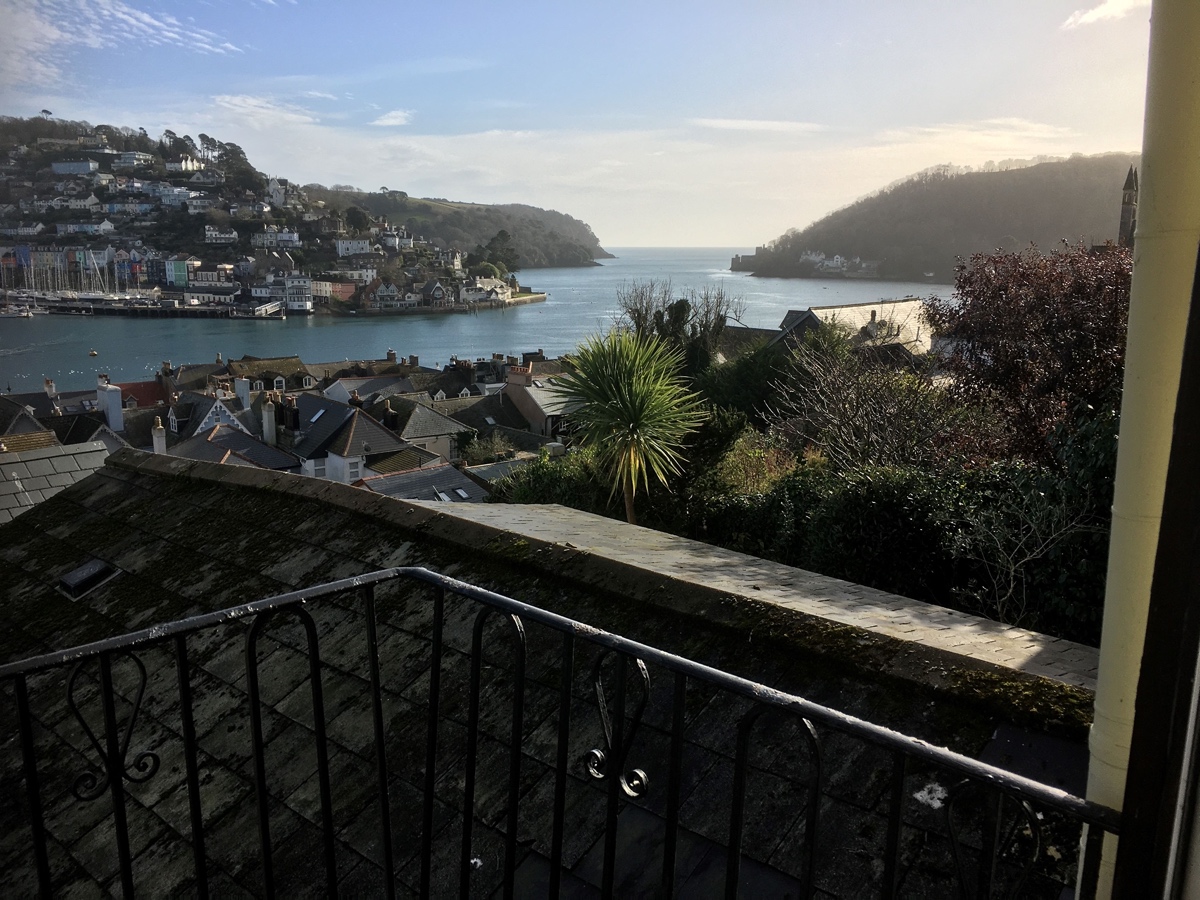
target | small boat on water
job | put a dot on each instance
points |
(93, 353)
(15, 312)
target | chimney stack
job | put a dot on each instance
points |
(51, 390)
(268, 423)
(108, 398)
(160, 436)
(413, 361)
(391, 356)
(241, 387)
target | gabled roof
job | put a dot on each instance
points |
(423, 422)
(492, 472)
(444, 483)
(361, 435)
(251, 448)
(220, 442)
(15, 418)
(476, 411)
(320, 421)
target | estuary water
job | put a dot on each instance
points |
(580, 302)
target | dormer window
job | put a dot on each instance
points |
(258, 385)
(308, 381)
(280, 384)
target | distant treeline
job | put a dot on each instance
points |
(923, 224)
(542, 237)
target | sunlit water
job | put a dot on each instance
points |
(580, 302)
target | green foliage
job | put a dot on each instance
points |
(746, 384)
(626, 399)
(476, 451)
(357, 220)
(577, 480)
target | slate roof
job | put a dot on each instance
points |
(442, 483)
(27, 477)
(232, 441)
(320, 421)
(423, 422)
(274, 532)
(474, 412)
(492, 472)
(362, 434)
(42, 405)
(548, 400)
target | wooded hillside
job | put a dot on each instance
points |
(542, 237)
(922, 224)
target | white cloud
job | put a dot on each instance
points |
(261, 113)
(319, 95)
(37, 34)
(784, 126)
(1108, 9)
(395, 117)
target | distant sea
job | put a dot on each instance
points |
(580, 302)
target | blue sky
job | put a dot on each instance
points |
(659, 124)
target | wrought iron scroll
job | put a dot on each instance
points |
(997, 837)
(603, 762)
(91, 783)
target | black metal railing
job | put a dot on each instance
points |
(549, 769)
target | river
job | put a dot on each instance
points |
(580, 302)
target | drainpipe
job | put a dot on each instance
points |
(1168, 230)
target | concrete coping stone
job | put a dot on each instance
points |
(892, 635)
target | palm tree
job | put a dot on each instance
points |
(627, 400)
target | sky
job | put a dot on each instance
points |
(658, 123)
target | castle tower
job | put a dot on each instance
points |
(1129, 199)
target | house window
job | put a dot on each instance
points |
(319, 468)
(352, 469)
(280, 384)
(445, 498)
(462, 493)
(308, 381)
(258, 385)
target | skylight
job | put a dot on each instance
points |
(319, 413)
(462, 493)
(489, 420)
(445, 498)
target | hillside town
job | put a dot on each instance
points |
(94, 229)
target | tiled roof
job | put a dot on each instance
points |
(401, 460)
(495, 471)
(28, 440)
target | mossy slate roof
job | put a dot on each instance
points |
(189, 537)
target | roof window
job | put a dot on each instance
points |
(78, 582)
(462, 493)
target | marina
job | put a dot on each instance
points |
(579, 302)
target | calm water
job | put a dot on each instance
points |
(580, 302)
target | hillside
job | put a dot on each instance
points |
(924, 223)
(541, 237)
